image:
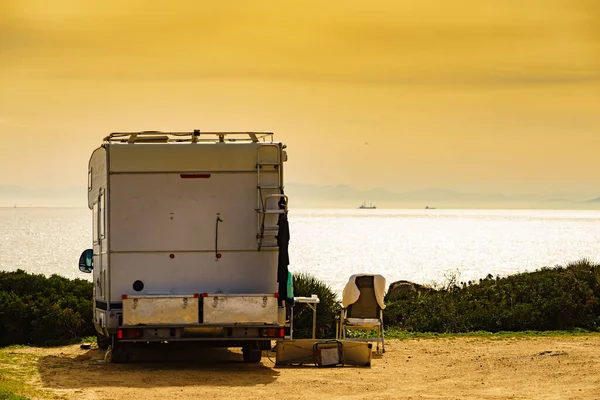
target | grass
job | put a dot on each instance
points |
(18, 370)
(87, 339)
(393, 333)
(15, 370)
(5, 394)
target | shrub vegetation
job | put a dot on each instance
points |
(547, 299)
(41, 311)
(328, 308)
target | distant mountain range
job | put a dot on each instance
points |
(306, 195)
(338, 196)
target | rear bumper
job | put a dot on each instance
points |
(199, 332)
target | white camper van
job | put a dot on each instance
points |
(190, 240)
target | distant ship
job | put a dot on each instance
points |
(429, 208)
(364, 206)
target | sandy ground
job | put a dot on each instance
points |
(457, 368)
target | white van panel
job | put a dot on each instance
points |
(160, 310)
(165, 212)
(172, 157)
(249, 272)
(224, 309)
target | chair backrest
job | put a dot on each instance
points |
(366, 306)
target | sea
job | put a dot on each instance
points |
(423, 246)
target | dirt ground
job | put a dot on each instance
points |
(566, 367)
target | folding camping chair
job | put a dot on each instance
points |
(363, 310)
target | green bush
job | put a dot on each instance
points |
(39, 310)
(547, 299)
(328, 308)
(6, 395)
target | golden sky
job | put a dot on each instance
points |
(472, 95)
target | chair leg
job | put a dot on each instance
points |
(342, 328)
(382, 339)
(382, 331)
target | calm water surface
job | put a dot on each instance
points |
(418, 245)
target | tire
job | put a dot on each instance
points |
(264, 345)
(103, 341)
(252, 353)
(116, 354)
(119, 356)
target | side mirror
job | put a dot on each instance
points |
(86, 261)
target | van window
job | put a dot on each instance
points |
(102, 216)
(95, 222)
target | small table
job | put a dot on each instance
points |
(311, 302)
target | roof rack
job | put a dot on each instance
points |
(189, 137)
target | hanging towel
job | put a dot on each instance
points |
(351, 292)
(283, 259)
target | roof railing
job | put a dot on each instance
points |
(187, 137)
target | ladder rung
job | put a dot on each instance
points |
(266, 234)
(269, 187)
(269, 232)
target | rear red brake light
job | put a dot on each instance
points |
(134, 333)
(271, 332)
(130, 333)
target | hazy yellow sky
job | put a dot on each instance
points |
(472, 95)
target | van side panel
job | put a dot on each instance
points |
(98, 203)
(97, 175)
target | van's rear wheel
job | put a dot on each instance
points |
(117, 352)
(116, 355)
(251, 352)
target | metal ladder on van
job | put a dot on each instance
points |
(269, 193)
